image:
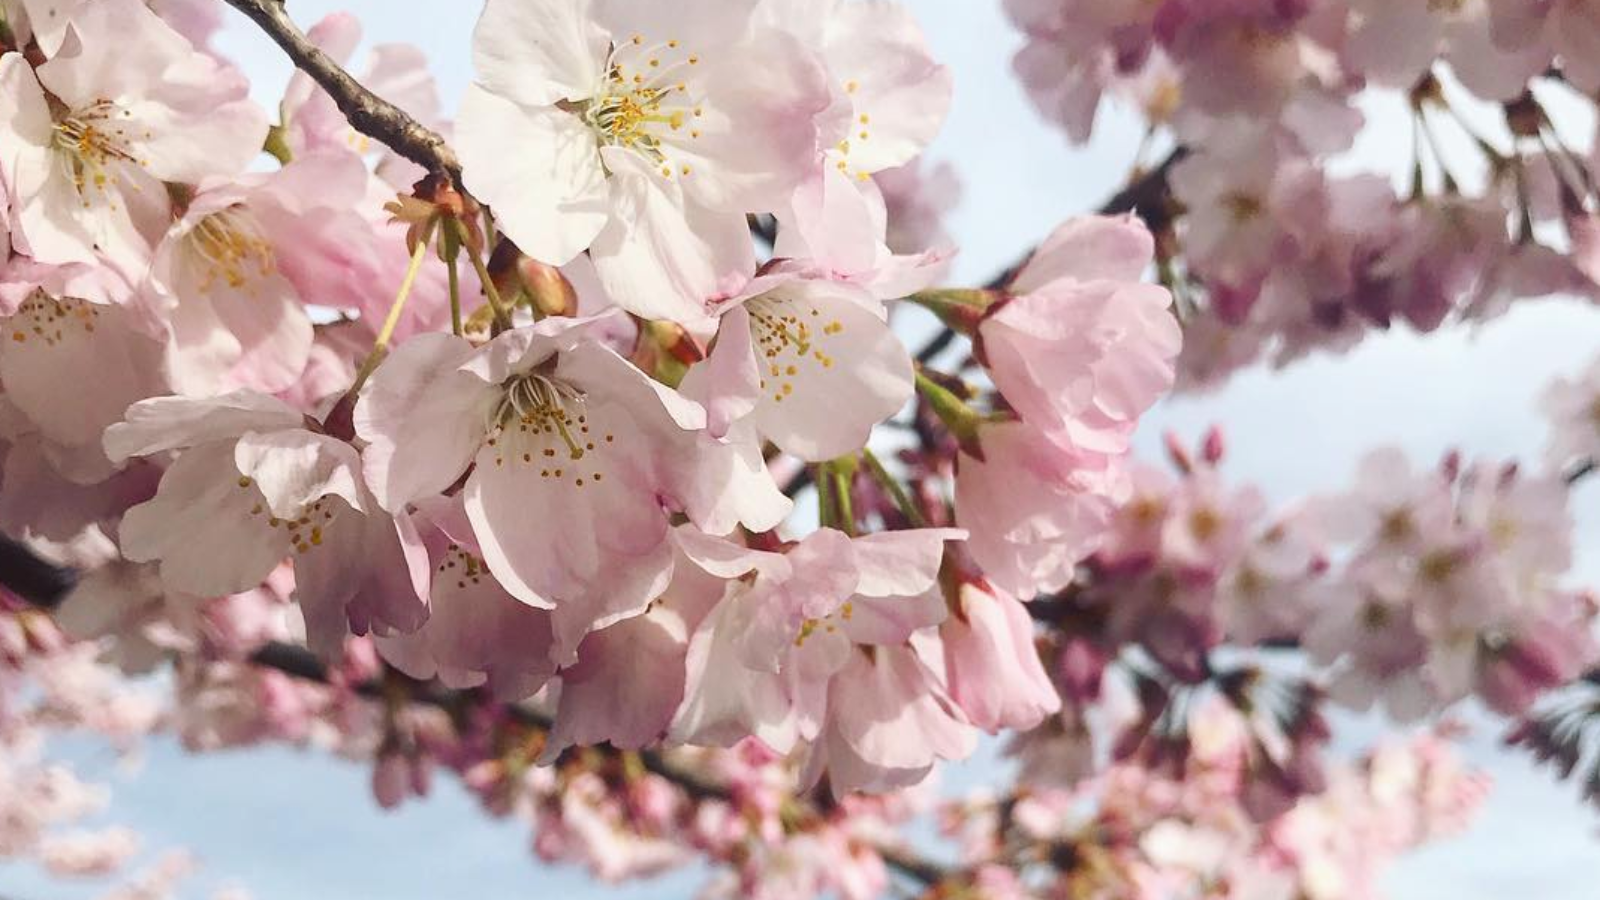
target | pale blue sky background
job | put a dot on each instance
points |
(300, 826)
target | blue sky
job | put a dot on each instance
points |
(294, 825)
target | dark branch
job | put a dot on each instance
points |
(32, 579)
(368, 113)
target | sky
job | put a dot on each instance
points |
(291, 825)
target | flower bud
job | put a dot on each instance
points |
(549, 291)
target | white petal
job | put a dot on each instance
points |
(52, 344)
(540, 170)
(423, 419)
(211, 533)
(552, 522)
(661, 258)
(901, 563)
(170, 423)
(538, 52)
(294, 469)
(817, 344)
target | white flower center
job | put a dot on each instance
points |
(93, 141)
(304, 532)
(790, 336)
(543, 423)
(861, 133)
(47, 321)
(227, 247)
(643, 102)
(463, 566)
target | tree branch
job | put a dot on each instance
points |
(368, 113)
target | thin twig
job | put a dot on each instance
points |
(368, 113)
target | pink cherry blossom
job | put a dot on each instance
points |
(232, 278)
(786, 352)
(665, 130)
(253, 487)
(1086, 382)
(1034, 509)
(87, 175)
(546, 418)
(991, 667)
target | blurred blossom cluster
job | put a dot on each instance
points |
(1277, 249)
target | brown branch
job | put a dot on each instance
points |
(368, 113)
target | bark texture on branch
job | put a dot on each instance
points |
(368, 113)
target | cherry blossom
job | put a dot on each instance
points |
(662, 132)
(579, 452)
(788, 349)
(253, 487)
(85, 175)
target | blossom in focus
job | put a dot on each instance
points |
(252, 487)
(55, 337)
(789, 350)
(991, 666)
(548, 419)
(890, 98)
(793, 629)
(1082, 348)
(136, 105)
(232, 279)
(644, 134)
(1034, 509)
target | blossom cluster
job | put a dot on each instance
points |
(1152, 835)
(1278, 238)
(487, 457)
(540, 494)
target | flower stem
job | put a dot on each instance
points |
(502, 315)
(896, 490)
(455, 298)
(840, 473)
(380, 347)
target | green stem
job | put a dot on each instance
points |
(455, 298)
(827, 514)
(842, 472)
(502, 316)
(380, 347)
(962, 420)
(897, 492)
